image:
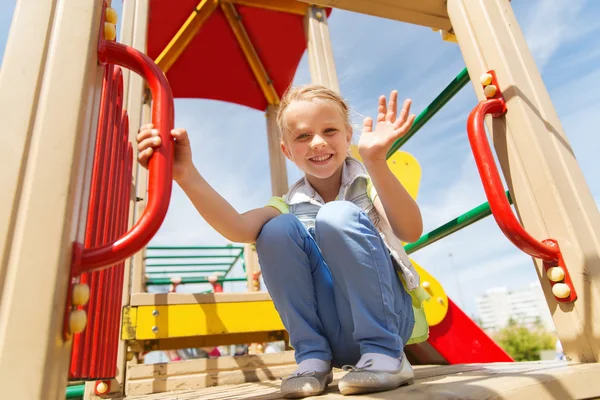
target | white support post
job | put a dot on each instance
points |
(279, 182)
(320, 54)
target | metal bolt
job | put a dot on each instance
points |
(155, 313)
(155, 329)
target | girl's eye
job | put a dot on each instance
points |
(302, 136)
(330, 131)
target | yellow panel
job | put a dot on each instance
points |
(129, 323)
(404, 166)
(437, 307)
(181, 320)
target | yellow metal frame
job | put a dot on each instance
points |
(186, 34)
(185, 320)
(286, 6)
(250, 52)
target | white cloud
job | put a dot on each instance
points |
(550, 24)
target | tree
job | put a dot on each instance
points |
(524, 344)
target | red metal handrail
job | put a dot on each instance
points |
(492, 183)
(160, 166)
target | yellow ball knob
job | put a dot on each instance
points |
(486, 79)
(101, 387)
(111, 16)
(110, 31)
(77, 321)
(319, 14)
(490, 91)
(130, 355)
(561, 290)
(555, 274)
(81, 294)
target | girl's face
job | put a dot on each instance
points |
(317, 139)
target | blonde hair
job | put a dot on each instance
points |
(311, 93)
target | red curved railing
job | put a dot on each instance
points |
(492, 184)
(160, 166)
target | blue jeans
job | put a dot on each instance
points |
(335, 288)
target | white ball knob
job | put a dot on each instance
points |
(81, 294)
(101, 387)
(561, 290)
(486, 79)
(490, 91)
(77, 321)
(555, 274)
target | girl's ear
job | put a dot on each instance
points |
(286, 151)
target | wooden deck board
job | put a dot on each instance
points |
(533, 380)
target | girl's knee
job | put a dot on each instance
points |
(279, 228)
(336, 214)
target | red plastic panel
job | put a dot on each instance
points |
(94, 353)
(460, 340)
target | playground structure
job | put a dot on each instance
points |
(61, 229)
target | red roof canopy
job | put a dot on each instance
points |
(213, 65)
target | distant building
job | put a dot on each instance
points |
(526, 306)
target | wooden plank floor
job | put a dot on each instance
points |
(532, 380)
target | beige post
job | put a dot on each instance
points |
(279, 182)
(138, 280)
(137, 100)
(318, 47)
(49, 92)
(547, 184)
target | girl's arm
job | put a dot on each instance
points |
(393, 202)
(241, 228)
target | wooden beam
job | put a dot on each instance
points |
(186, 33)
(250, 52)
(431, 13)
(286, 6)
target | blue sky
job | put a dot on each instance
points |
(374, 56)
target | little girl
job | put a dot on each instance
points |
(329, 249)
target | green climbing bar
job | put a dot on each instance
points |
(436, 105)
(190, 265)
(75, 391)
(468, 218)
(194, 279)
(206, 272)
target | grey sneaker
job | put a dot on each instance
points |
(311, 383)
(365, 380)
